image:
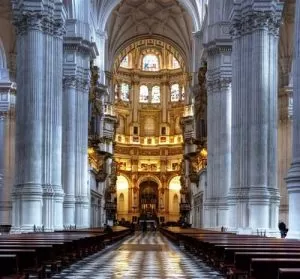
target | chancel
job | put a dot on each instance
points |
(120, 120)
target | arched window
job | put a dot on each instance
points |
(175, 92)
(144, 94)
(125, 62)
(124, 91)
(175, 63)
(155, 94)
(150, 63)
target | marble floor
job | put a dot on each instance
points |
(143, 255)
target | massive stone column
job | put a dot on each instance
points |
(218, 126)
(218, 138)
(38, 196)
(293, 177)
(254, 197)
(7, 142)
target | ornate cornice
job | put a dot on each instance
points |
(84, 47)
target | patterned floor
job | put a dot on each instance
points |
(144, 255)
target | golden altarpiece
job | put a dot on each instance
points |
(138, 140)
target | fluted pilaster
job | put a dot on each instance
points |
(68, 150)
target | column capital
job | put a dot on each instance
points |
(69, 81)
(49, 19)
(252, 21)
(40, 21)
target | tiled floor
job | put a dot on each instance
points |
(144, 255)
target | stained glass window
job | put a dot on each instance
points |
(155, 94)
(125, 91)
(175, 92)
(175, 63)
(150, 63)
(144, 94)
(125, 62)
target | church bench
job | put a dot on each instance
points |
(262, 268)
(228, 252)
(288, 273)
(53, 251)
(242, 260)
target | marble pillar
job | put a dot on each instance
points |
(37, 195)
(293, 177)
(254, 196)
(68, 148)
(218, 137)
(82, 191)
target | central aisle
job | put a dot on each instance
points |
(143, 255)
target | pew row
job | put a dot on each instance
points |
(240, 256)
(40, 255)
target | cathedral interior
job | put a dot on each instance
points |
(145, 121)
(164, 111)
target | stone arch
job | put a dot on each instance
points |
(149, 177)
(127, 47)
(103, 18)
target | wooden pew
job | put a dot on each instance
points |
(50, 250)
(225, 251)
(288, 273)
(262, 268)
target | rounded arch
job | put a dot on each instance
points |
(122, 182)
(143, 40)
(174, 183)
(149, 177)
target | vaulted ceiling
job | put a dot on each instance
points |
(134, 18)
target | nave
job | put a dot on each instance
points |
(143, 255)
